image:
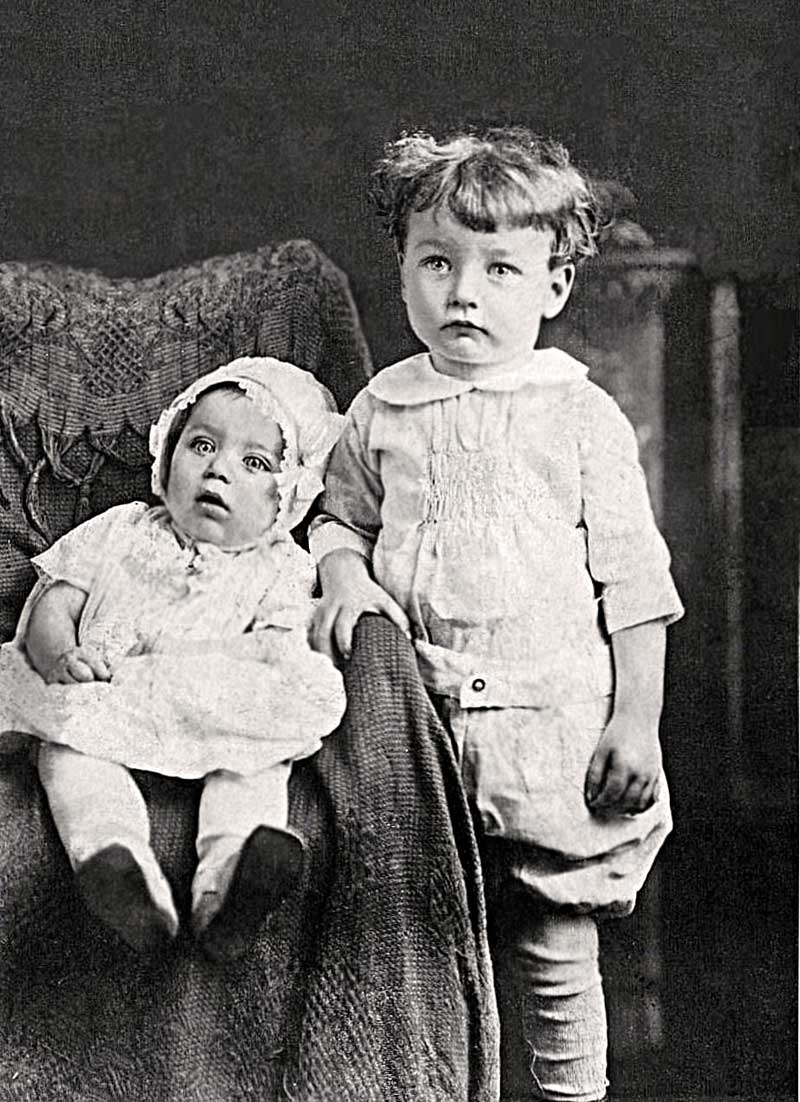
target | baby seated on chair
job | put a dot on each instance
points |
(174, 639)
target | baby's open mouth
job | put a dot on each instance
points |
(209, 498)
(456, 325)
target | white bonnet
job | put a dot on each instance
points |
(303, 409)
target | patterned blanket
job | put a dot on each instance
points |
(372, 983)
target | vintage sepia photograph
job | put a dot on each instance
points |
(398, 550)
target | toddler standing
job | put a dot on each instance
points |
(488, 498)
(174, 639)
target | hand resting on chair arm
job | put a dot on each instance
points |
(348, 591)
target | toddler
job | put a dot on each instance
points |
(488, 498)
(174, 639)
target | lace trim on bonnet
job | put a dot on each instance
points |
(303, 409)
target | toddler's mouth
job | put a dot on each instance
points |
(464, 326)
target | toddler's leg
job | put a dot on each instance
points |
(101, 818)
(552, 1009)
(248, 858)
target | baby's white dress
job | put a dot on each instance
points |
(211, 664)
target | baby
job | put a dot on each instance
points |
(174, 639)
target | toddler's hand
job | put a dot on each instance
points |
(623, 775)
(78, 665)
(348, 592)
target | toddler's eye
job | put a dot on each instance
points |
(436, 264)
(257, 463)
(502, 270)
(201, 445)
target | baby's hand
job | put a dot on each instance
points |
(348, 592)
(78, 665)
(623, 775)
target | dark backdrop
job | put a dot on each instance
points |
(145, 133)
(137, 135)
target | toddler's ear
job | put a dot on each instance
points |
(562, 278)
(400, 261)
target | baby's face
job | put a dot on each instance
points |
(222, 486)
(475, 299)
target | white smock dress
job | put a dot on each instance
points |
(510, 519)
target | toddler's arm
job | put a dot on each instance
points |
(624, 771)
(51, 638)
(343, 535)
(629, 560)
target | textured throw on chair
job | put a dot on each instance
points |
(372, 983)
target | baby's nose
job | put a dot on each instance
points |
(217, 468)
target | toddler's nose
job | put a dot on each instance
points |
(464, 288)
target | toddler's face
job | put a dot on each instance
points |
(221, 486)
(477, 300)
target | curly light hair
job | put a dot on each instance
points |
(502, 177)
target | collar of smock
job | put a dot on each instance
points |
(415, 380)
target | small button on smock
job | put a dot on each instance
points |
(475, 692)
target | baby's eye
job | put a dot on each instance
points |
(257, 463)
(201, 445)
(436, 264)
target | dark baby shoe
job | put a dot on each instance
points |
(115, 889)
(268, 866)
